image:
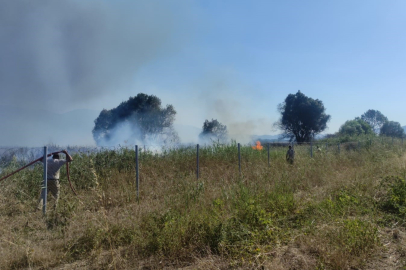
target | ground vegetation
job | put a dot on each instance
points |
(344, 208)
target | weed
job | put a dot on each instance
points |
(394, 198)
(357, 237)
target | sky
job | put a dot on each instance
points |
(62, 62)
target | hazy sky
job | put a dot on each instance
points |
(230, 60)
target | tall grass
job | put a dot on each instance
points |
(327, 212)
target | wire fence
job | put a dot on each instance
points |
(23, 155)
(190, 157)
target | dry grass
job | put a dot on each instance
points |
(320, 213)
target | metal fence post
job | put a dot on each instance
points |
(338, 147)
(137, 171)
(197, 161)
(45, 186)
(311, 149)
(239, 158)
(269, 164)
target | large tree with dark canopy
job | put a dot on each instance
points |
(375, 118)
(302, 117)
(214, 130)
(144, 118)
(392, 129)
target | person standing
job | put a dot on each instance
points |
(53, 167)
(290, 155)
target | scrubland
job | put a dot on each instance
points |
(336, 210)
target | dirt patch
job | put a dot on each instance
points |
(392, 255)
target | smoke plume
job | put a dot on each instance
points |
(58, 51)
(228, 100)
(59, 55)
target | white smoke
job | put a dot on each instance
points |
(58, 56)
(229, 100)
(61, 54)
(128, 134)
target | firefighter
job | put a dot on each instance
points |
(53, 166)
(290, 155)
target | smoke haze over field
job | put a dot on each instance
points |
(64, 52)
(62, 62)
(224, 102)
(60, 55)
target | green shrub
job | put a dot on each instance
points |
(340, 203)
(357, 237)
(95, 238)
(394, 197)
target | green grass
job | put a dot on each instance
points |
(327, 212)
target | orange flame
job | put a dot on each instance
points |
(258, 146)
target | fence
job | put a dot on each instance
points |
(12, 158)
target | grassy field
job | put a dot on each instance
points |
(337, 210)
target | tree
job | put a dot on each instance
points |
(356, 127)
(392, 129)
(213, 130)
(302, 117)
(375, 118)
(139, 118)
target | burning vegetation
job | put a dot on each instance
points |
(258, 146)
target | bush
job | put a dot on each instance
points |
(357, 237)
(394, 195)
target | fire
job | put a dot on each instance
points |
(258, 146)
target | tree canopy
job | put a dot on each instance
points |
(392, 129)
(302, 117)
(374, 118)
(214, 130)
(356, 127)
(139, 118)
